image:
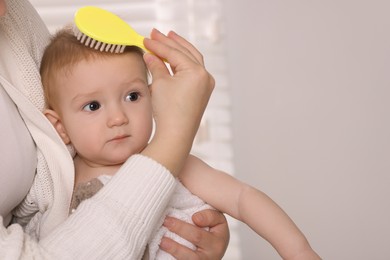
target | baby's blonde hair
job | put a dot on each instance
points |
(63, 52)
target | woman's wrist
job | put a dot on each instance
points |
(169, 150)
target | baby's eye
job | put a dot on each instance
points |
(132, 96)
(92, 106)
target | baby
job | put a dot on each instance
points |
(100, 104)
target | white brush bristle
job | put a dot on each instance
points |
(97, 45)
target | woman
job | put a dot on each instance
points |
(105, 226)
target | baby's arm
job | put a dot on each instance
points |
(248, 205)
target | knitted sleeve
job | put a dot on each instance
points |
(114, 224)
(119, 219)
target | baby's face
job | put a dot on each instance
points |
(105, 108)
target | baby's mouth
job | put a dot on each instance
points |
(119, 138)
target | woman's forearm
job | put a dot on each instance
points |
(128, 209)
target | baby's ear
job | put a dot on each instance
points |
(55, 120)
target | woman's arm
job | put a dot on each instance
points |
(248, 205)
(115, 222)
(177, 121)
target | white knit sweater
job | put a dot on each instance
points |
(118, 221)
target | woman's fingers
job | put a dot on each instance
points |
(210, 244)
(156, 66)
(219, 230)
(167, 48)
(187, 45)
(179, 251)
(172, 42)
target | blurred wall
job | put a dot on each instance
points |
(311, 118)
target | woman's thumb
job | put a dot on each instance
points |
(155, 65)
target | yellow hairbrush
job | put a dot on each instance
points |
(104, 31)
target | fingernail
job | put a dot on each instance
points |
(164, 244)
(198, 218)
(168, 222)
(156, 30)
(148, 57)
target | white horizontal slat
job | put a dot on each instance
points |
(135, 13)
(39, 3)
(140, 15)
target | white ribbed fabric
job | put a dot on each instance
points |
(118, 221)
(182, 205)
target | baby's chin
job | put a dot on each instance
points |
(115, 163)
(118, 158)
(118, 161)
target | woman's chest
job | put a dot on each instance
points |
(17, 157)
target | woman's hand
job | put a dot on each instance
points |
(179, 100)
(210, 244)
